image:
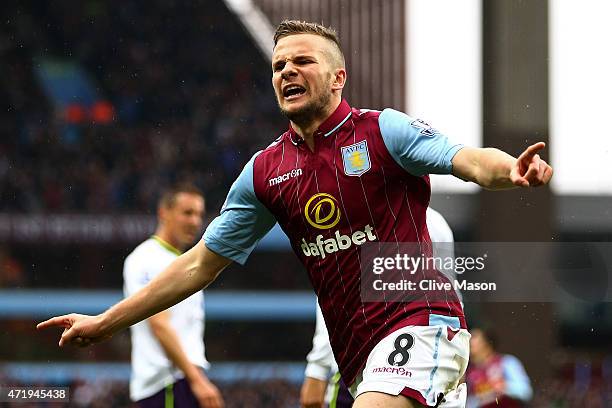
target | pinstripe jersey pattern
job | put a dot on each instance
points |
(330, 201)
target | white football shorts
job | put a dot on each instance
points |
(424, 363)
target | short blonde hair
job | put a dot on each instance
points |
(293, 27)
(168, 197)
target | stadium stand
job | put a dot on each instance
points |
(190, 100)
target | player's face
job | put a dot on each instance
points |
(183, 220)
(303, 77)
(478, 343)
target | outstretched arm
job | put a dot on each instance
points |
(494, 169)
(190, 272)
(232, 236)
(421, 149)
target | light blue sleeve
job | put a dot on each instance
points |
(416, 146)
(243, 220)
(517, 381)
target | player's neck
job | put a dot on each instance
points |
(307, 129)
(306, 132)
(167, 238)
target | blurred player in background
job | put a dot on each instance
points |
(322, 381)
(494, 379)
(168, 359)
(337, 178)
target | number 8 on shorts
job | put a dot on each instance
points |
(424, 363)
(401, 350)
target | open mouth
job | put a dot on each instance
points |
(293, 91)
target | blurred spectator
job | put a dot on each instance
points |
(11, 271)
(494, 379)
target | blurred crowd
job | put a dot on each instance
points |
(558, 393)
(579, 380)
(104, 394)
(564, 393)
(191, 96)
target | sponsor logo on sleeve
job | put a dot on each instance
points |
(425, 128)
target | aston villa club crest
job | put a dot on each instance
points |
(356, 159)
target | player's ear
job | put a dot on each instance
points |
(339, 79)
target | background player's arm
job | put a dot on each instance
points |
(190, 272)
(320, 362)
(312, 393)
(206, 392)
(516, 384)
(494, 169)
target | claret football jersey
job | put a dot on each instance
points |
(366, 182)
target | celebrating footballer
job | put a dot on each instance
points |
(356, 176)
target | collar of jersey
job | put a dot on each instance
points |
(334, 122)
(166, 245)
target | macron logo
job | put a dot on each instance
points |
(284, 177)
